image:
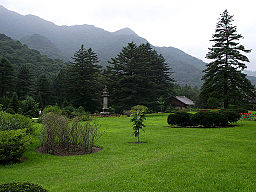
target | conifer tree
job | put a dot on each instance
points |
(139, 77)
(24, 82)
(83, 88)
(223, 78)
(6, 77)
(45, 91)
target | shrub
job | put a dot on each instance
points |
(59, 133)
(24, 187)
(69, 111)
(139, 108)
(14, 122)
(54, 109)
(12, 145)
(231, 115)
(203, 118)
(30, 107)
(180, 119)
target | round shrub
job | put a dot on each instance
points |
(14, 122)
(24, 187)
(12, 145)
(54, 109)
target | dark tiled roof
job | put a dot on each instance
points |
(185, 100)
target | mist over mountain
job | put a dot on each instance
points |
(62, 41)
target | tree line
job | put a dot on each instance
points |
(138, 75)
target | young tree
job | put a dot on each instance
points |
(138, 117)
(223, 78)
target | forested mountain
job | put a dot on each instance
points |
(43, 45)
(19, 54)
(67, 39)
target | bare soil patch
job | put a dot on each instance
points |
(58, 151)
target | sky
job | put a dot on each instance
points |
(185, 24)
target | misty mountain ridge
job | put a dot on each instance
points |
(62, 42)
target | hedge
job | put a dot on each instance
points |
(221, 118)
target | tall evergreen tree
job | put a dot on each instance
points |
(83, 88)
(45, 91)
(223, 78)
(6, 77)
(139, 76)
(24, 82)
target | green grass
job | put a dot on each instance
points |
(173, 159)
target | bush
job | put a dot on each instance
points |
(12, 145)
(180, 119)
(69, 111)
(231, 115)
(30, 107)
(24, 187)
(203, 118)
(139, 108)
(14, 122)
(54, 109)
(60, 134)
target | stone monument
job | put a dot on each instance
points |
(105, 96)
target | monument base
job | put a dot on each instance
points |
(104, 114)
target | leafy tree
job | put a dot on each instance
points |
(138, 75)
(138, 117)
(83, 88)
(6, 77)
(223, 78)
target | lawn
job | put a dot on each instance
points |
(172, 159)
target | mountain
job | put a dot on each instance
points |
(250, 73)
(252, 79)
(43, 45)
(19, 54)
(63, 41)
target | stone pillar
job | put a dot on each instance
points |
(105, 96)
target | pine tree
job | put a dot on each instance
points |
(83, 88)
(223, 78)
(139, 77)
(6, 77)
(45, 91)
(24, 82)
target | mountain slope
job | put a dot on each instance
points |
(19, 54)
(43, 45)
(68, 39)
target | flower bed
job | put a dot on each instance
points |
(248, 116)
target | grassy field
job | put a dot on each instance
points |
(172, 159)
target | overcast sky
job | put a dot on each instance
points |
(184, 24)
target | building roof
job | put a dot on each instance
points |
(185, 100)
